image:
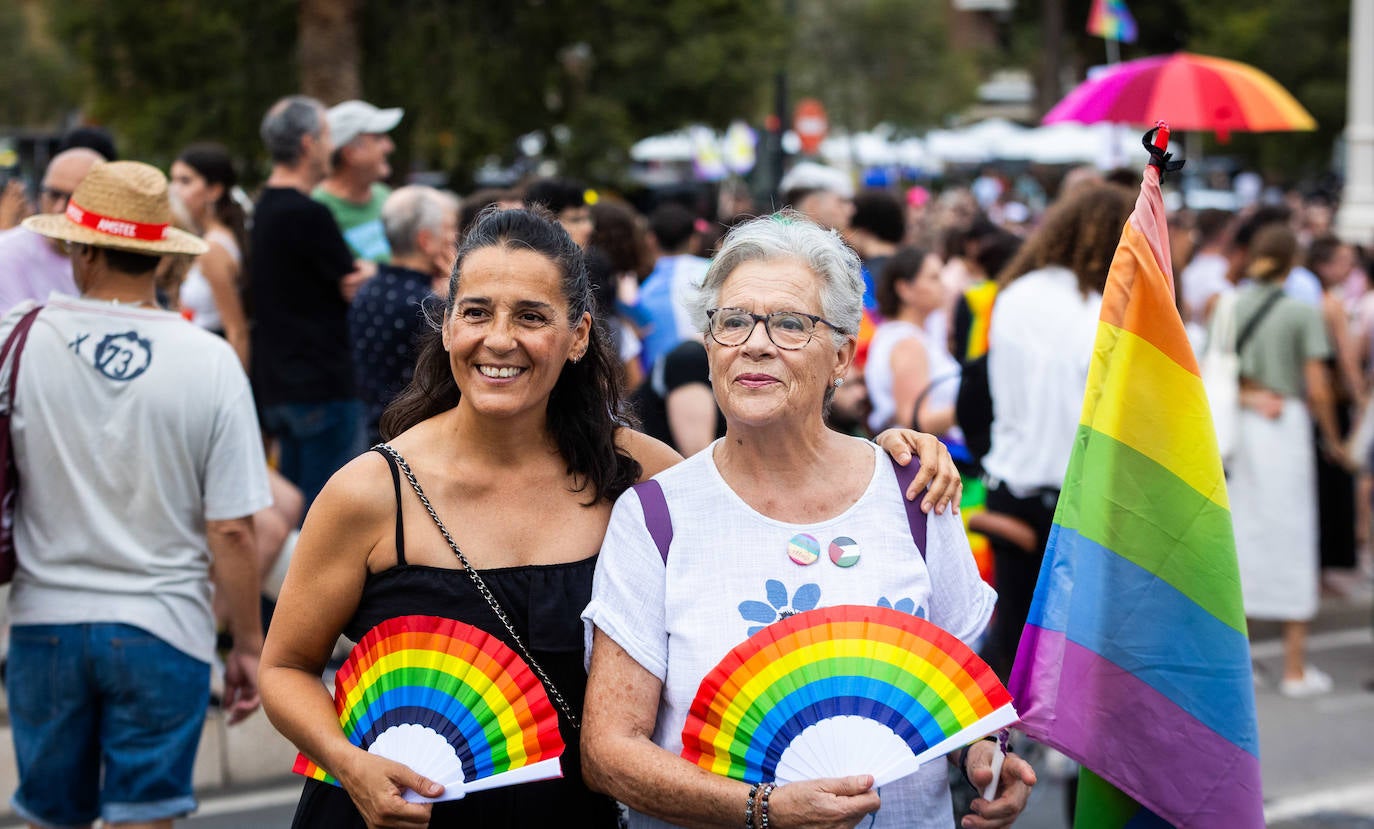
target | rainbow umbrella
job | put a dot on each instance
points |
(1190, 92)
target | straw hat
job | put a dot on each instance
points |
(122, 205)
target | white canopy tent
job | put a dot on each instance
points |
(995, 139)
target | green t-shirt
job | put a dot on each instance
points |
(1290, 334)
(361, 224)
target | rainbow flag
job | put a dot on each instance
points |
(1110, 19)
(1134, 660)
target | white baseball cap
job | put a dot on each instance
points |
(812, 176)
(351, 119)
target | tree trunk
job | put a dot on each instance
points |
(329, 50)
(1048, 91)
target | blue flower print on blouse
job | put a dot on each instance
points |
(778, 606)
(903, 606)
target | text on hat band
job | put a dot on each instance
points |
(123, 228)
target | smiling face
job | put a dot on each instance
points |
(757, 383)
(508, 335)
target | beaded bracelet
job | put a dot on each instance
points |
(749, 807)
(763, 804)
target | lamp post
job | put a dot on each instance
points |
(1355, 220)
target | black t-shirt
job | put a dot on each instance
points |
(300, 325)
(684, 365)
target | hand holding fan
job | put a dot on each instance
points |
(838, 691)
(448, 700)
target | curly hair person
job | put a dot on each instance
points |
(1080, 233)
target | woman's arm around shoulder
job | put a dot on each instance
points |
(352, 517)
(653, 455)
(938, 475)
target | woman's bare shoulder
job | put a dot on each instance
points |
(359, 492)
(653, 455)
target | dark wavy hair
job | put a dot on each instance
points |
(585, 406)
(616, 232)
(214, 164)
(902, 266)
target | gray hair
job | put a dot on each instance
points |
(790, 235)
(287, 122)
(411, 209)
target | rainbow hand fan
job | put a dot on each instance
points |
(838, 691)
(448, 700)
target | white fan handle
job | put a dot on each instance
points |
(990, 792)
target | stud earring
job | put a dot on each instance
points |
(839, 381)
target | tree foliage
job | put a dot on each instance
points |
(164, 73)
(473, 77)
(39, 78)
(874, 61)
(590, 75)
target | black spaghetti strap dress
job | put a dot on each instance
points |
(544, 603)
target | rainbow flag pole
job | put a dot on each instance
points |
(1134, 660)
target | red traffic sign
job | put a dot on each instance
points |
(811, 124)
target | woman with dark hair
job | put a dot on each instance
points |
(203, 180)
(906, 364)
(1040, 342)
(210, 295)
(509, 430)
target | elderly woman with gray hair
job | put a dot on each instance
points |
(781, 304)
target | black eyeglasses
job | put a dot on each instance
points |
(788, 330)
(57, 195)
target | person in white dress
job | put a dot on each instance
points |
(905, 363)
(1271, 480)
(203, 179)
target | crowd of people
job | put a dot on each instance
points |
(531, 367)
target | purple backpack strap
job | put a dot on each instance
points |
(15, 343)
(656, 517)
(914, 517)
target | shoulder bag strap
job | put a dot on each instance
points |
(482, 588)
(1249, 329)
(14, 343)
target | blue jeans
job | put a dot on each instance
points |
(316, 439)
(106, 721)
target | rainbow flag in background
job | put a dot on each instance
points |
(1110, 19)
(1134, 660)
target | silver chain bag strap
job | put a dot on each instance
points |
(483, 589)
